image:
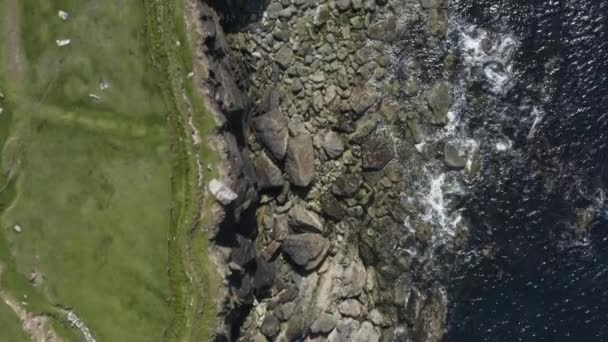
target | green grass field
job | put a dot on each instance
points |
(103, 182)
(90, 180)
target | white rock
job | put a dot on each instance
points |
(63, 15)
(1, 110)
(221, 192)
(63, 42)
(103, 85)
(18, 228)
(95, 97)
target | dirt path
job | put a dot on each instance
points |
(11, 30)
(37, 327)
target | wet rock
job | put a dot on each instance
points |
(332, 207)
(269, 176)
(414, 130)
(453, 158)
(306, 250)
(324, 324)
(300, 163)
(377, 151)
(271, 130)
(303, 220)
(350, 308)
(474, 163)
(270, 326)
(284, 56)
(346, 185)
(222, 192)
(364, 128)
(333, 144)
(430, 323)
(439, 102)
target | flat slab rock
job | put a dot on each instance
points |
(306, 250)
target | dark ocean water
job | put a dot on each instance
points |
(540, 279)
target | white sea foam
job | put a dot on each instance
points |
(538, 117)
(494, 53)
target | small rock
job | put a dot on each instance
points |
(300, 162)
(63, 15)
(343, 5)
(350, 308)
(332, 207)
(17, 228)
(270, 326)
(453, 158)
(273, 10)
(63, 42)
(221, 192)
(318, 77)
(284, 56)
(346, 185)
(357, 4)
(333, 144)
(322, 15)
(303, 220)
(324, 324)
(306, 250)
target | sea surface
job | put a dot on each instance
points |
(531, 95)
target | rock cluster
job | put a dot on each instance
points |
(321, 115)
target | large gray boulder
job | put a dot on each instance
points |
(306, 250)
(271, 130)
(300, 163)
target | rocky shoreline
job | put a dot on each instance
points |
(320, 107)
